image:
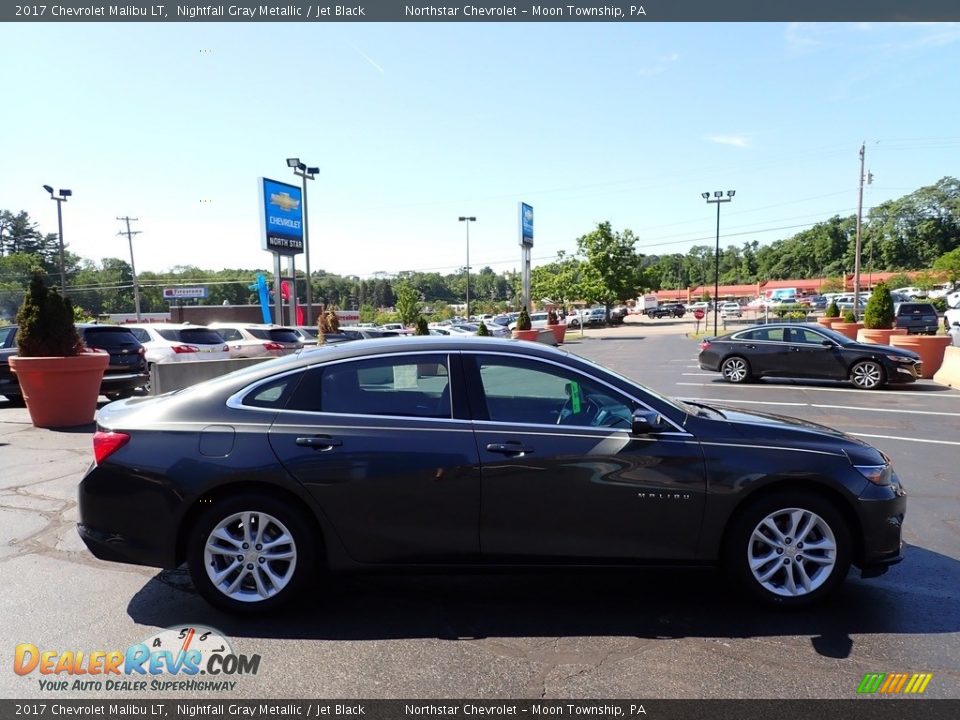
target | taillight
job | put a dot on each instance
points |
(704, 345)
(185, 349)
(106, 444)
(141, 351)
(225, 348)
(273, 346)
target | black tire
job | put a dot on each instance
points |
(868, 375)
(736, 369)
(119, 395)
(245, 600)
(742, 547)
(15, 400)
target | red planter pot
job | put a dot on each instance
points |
(530, 335)
(879, 336)
(930, 348)
(848, 329)
(829, 321)
(61, 391)
(559, 332)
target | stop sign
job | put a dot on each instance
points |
(698, 314)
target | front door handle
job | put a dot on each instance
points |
(319, 442)
(509, 448)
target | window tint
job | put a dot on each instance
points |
(414, 386)
(275, 335)
(273, 394)
(140, 334)
(525, 391)
(193, 336)
(109, 337)
(916, 309)
(230, 334)
(806, 337)
(774, 334)
(5, 335)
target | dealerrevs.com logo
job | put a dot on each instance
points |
(185, 658)
(894, 683)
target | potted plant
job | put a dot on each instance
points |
(878, 318)
(422, 328)
(848, 325)
(483, 330)
(559, 330)
(831, 315)
(523, 330)
(59, 377)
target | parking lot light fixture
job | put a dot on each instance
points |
(468, 219)
(718, 197)
(61, 198)
(305, 173)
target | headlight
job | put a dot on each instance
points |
(900, 358)
(877, 474)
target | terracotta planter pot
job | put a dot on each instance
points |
(61, 391)
(829, 321)
(879, 336)
(930, 348)
(848, 329)
(559, 332)
(530, 335)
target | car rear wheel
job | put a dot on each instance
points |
(250, 553)
(867, 375)
(789, 549)
(735, 369)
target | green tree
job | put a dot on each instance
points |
(408, 303)
(613, 271)
(949, 265)
(878, 314)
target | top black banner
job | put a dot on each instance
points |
(492, 11)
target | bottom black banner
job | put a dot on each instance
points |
(861, 709)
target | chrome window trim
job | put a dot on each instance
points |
(771, 447)
(576, 371)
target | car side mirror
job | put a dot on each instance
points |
(827, 343)
(647, 422)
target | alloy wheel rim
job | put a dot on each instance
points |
(735, 370)
(866, 375)
(792, 552)
(250, 556)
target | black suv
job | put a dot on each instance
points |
(126, 372)
(917, 317)
(667, 310)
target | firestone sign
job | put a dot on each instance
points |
(184, 293)
(281, 217)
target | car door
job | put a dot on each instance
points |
(563, 478)
(815, 355)
(760, 346)
(376, 443)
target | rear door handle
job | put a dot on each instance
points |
(509, 448)
(319, 442)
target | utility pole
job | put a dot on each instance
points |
(868, 177)
(136, 285)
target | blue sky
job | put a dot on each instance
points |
(413, 125)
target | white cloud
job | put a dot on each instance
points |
(659, 65)
(735, 140)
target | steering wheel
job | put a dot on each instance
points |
(587, 405)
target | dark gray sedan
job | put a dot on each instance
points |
(468, 452)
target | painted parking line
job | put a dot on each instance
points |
(904, 439)
(828, 407)
(880, 393)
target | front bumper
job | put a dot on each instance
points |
(881, 510)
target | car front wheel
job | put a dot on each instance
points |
(867, 375)
(250, 553)
(735, 370)
(789, 549)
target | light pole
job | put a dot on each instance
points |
(717, 198)
(307, 173)
(61, 198)
(468, 220)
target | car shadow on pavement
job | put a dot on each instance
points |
(911, 599)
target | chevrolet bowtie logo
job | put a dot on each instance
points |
(284, 201)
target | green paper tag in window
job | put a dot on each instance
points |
(575, 397)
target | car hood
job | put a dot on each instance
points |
(882, 349)
(770, 429)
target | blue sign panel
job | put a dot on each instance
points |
(281, 217)
(526, 225)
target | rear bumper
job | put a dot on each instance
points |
(123, 381)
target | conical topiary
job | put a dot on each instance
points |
(523, 320)
(45, 323)
(483, 330)
(879, 314)
(422, 328)
(832, 310)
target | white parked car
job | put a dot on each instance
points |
(538, 321)
(252, 340)
(910, 292)
(168, 342)
(730, 309)
(953, 299)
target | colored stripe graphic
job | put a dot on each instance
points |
(894, 683)
(870, 683)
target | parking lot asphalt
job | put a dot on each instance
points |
(649, 634)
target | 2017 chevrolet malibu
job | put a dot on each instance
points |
(448, 452)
